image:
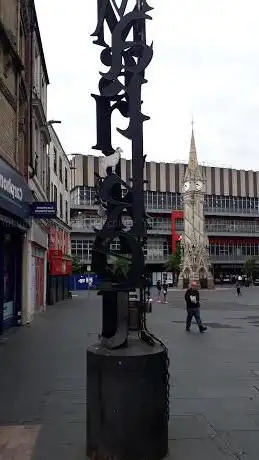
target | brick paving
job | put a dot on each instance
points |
(214, 400)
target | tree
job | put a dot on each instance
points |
(76, 266)
(250, 267)
(120, 265)
(174, 262)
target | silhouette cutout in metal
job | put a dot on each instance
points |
(126, 55)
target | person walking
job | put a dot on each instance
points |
(192, 299)
(238, 286)
(165, 290)
(159, 289)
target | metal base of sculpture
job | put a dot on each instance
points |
(126, 402)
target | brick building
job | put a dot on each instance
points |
(15, 193)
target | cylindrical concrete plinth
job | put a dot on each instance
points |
(127, 402)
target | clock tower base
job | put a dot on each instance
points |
(186, 278)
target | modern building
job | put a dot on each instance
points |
(14, 138)
(231, 210)
(59, 254)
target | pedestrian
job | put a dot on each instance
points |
(165, 289)
(192, 299)
(159, 289)
(238, 286)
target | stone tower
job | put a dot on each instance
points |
(195, 264)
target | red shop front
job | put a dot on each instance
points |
(176, 216)
(59, 265)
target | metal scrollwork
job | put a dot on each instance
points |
(120, 89)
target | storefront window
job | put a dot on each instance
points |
(9, 274)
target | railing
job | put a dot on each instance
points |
(214, 258)
(88, 224)
(231, 211)
(232, 227)
(167, 207)
(234, 257)
(150, 258)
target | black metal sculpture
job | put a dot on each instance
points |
(124, 419)
(120, 88)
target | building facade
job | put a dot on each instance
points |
(231, 210)
(59, 254)
(36, 244)
(15, 194)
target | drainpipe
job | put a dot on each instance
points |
(31, 82)
(18, 26)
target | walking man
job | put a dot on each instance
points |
(192, 298)
(165, 289)
(238, 286)
(159, 288)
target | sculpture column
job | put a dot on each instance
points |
(127, 373)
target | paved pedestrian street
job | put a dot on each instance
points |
(214, 399)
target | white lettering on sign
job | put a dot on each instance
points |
(10, 188)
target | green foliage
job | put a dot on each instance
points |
(121, 265)
(76, 266)
(250, 266)
(174, 261)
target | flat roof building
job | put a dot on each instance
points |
(231, 211)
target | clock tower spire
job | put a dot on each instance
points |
(195, 264)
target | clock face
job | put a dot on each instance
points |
(198, 185)
(186, 186)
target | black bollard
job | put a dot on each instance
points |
(127, 402)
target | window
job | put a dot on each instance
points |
(66, 211)
(60, 170)
(55, 161)
(55, 196)
(36, 164)
(66, 179)
(60, 206)
(82, 249)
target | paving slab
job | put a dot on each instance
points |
(214, 396)
(195, 449)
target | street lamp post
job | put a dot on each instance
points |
(127, 372)
(54, 122)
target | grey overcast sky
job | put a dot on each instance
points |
(206, 63)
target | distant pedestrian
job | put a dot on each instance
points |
(165, 290)
(238, 286)
(159, 289)
(192, 298)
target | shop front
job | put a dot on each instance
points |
(15, 197)
(37, 278)
(59, 265)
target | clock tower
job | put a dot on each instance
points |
(195, 264)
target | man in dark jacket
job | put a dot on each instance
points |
(159, 289)
(192, 298)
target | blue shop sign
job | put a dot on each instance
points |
(43, 210)
(15, 194)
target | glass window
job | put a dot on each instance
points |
(66, 216)
(55, 197)
(66, 179)
(61, 206)
(55, 160)
(60, 169)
